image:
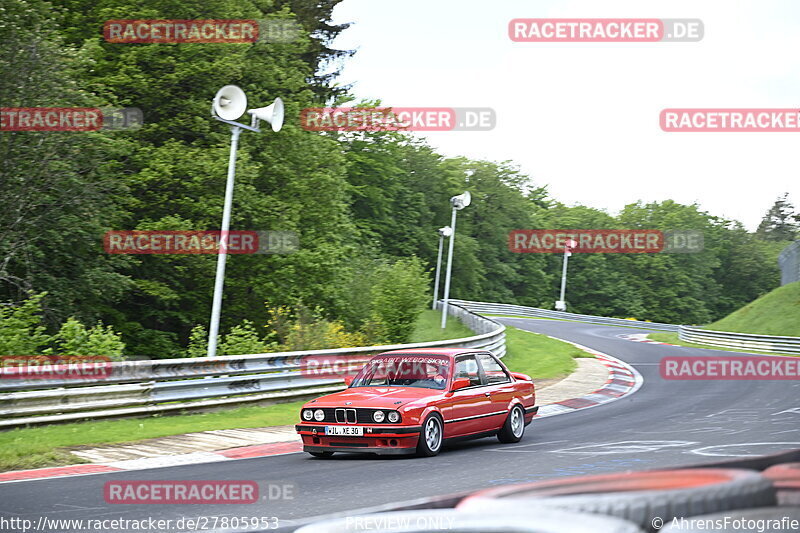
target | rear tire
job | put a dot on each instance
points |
(514, 428)
(431, 436)
(323, 455)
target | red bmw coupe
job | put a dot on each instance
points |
(414, 401)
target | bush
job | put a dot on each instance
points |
(75, 339)
(21, 333)
(243, 340)
(399, 296)
(303, 329)
(198, 342)
(20, 329)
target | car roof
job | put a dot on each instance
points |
(447, 352)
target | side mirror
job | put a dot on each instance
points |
(348, 379)
(459, 383)
(521, 377)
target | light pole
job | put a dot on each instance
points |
(561, 304)
(443, 232)
(459, 202)
(229, 104)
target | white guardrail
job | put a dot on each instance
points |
(740, 341)
(135, 388)
(535, 312)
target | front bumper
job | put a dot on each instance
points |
(377, 450)
(396, 440)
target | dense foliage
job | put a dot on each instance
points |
(366, 206)
(21, 333)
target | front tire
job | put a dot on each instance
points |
(431, 436)
(514, 428)
(323, 455)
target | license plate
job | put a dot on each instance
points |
(345, 431)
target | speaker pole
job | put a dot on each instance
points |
(219, 282)
(228, 105)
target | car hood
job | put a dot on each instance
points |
(375, 397)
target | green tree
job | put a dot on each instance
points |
(174, 178)
(781, 222)
(57, 187)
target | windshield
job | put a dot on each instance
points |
(421, 372)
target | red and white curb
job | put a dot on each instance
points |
(641, 337)
(245, 452)
(623, 380)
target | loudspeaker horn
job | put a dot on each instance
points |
(273, 114)
(230, 102)
(462, 200)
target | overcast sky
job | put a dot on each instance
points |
(583, 118)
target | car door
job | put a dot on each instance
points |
(499, 386)
(466, 409)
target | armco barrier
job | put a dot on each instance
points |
(134, 388)
(740, 341)
(535, 312)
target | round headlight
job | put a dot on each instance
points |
(319, 415)
(394, 417)
(378, 416)
(308, 414)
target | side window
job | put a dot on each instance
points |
(492, 369)
(467, 367)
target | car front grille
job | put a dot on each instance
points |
(345, 416)
(349, 415)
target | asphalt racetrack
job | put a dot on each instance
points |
(665, 423)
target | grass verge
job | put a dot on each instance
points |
(775, 313)
(42, 446)
(539, 356)
(429, 328)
